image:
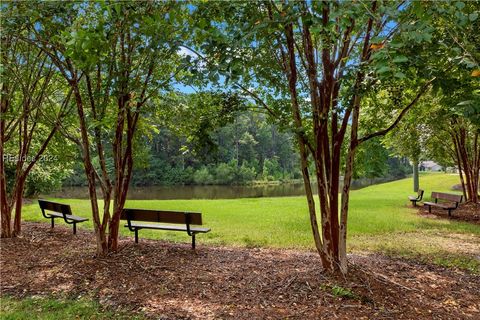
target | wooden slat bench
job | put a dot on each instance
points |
(449, 201)
(415, 199)
(177, 221)
(60, 210)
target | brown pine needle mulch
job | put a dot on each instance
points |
(168, 281)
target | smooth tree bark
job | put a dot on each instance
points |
(25, 122)
(416, 180)
(465, 138)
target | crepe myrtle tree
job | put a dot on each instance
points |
(311, 64)
(34, 101)
(456, 27)
(115, 57)
(451, 118)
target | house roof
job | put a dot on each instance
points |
(429, 164)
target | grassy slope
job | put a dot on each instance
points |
(380, 220)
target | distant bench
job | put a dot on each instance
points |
(60, 210)
(449, 201)
(415, 199)
(178, 221)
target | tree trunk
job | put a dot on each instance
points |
(99, 228)
(460, 170)
(17, 223)
(311, 201)
(6, 219)
(476, 168)
(468, 159)
(5, 209)
(416, 181)
(291, 73)
(347, 180)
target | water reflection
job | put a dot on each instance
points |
(207, 192)
(193, 192)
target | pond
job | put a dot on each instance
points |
(207, 192)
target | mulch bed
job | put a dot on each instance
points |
(168, 281)
(469, 212)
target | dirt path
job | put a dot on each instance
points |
(167, 281)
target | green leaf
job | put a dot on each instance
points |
(400, 59)
(400, 75)
(383, 69)
(396, 45)
(460, 5)
(473, 16)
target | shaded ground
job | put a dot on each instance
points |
(168, 281)
(469, 212)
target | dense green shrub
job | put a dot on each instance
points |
(225, 173)
(203, 176)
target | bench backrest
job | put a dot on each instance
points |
(54, 206)
(162, 216)
(447, 196)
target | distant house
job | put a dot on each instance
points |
(430, 166)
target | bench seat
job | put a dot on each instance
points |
(445, 206)
(68, 216)
(167, 227)
(53, 210)
(189, 222)
(449, 201)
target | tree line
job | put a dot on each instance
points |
(248, 149)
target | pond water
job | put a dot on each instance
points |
(206, 192)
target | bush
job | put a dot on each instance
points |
(245, 173)
(225, 173)
(203, 176)
(44, 179)
(271, 169)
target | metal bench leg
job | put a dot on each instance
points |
(53, 222)
(449, 212)
(74, 228)
(430, 209)
(136, 235)
(193, 241)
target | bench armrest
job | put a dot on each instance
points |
(67, 221)
(129, 223)
(45, 215)
(188, 219)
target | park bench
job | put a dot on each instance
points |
(449, 201)
(415, 199)
(60, 210)
(171, 221)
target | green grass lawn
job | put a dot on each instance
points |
(43, 308)
(380, 220)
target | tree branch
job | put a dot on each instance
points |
(400, 116)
